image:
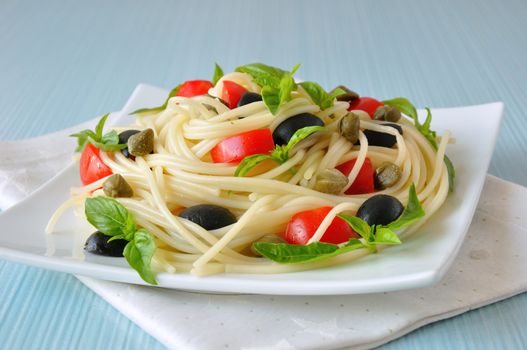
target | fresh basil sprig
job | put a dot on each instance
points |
(157, 109)
(406, 107)
(276, 83)
(319, 96)
(370, 237)
(108, 142)
(111, 218)
(218, 73)
(280, 154)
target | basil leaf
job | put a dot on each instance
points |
(172, 93)
(99, 127)
(358, 225)
(411, 213)
(337, 92)
(110, 138)
(83, 138)
(319, 96)
(271, 98)
(284, 253)
(107, 147)
(406, 107)
(262, 74)
(250, 162)
(281, 153)
(218, 73)
(139, 252)
(109, 216)
(385, 235)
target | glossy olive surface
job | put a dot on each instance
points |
(380, 209)
(285, 130)
(249, 97)
(381, 139)
(123, 139)
(98, 244)
(209, 216)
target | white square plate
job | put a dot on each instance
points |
(420, 261)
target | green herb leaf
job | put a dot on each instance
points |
(385, 235)
(271, 98)
(284, 253)
(99, 127)
(358, 225)
(109, 216)
(319, 96)
(411, 213)
(139, 252)
(107, 147)
(250, 162)
(336, 92)
(83, 138)
(406, 107)
(263, 75)
(218, 73)
(172, 93)
(281, 153)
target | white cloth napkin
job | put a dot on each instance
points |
(489, 267)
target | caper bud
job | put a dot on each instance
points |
(387, 175)
(388, 113)
(141, 143)
(349, 127)
(331, 181)
(267, 239)
(116, 186)
(348, 96)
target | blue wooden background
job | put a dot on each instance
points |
(63, 62)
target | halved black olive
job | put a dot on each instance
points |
(376, 138)
(98, 244)
(123, 139)
(209, 216)
(380, 209)
(283, 132)
(249, 97)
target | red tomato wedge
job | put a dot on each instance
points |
(231, 93)
(92, 168)
(364, 181)
(233, 149)
(193, 88)
(366, 104)
(303, 225)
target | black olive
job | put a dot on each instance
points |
(380, 209)
(283, 132)
(249, 97)
(98, 244)
(209, 216)
(123, 139)
(376, 138)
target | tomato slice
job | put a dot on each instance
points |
(193, 88)
(364, 181)
(303, 225)
(233, 149)
(92, 168)
(366, 104)
(231, 93)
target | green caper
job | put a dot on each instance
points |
(349, 127)
(142, 143)
(387, 175)
(388, 113)
(348, 96)
(331, 181)
(116, 186)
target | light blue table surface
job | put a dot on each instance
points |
(63, 62)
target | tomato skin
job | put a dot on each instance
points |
(232, 93)
(192, 88)
(364, 182)
(366, 104)
(233, 149)
(304, 224)
(92, 168)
